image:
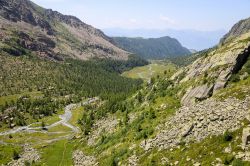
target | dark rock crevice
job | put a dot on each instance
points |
(241, 60)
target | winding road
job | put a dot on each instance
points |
(64, 121)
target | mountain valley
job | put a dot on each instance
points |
(70, 95)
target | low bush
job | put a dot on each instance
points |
(228, 136)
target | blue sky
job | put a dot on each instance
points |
(205, 15)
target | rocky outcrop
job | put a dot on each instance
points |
(198, 93)
(245, 137)
(102, 126)
(29, 155)
(238, 29)
(75, 22)
(211, 73)
(63, 35)
(222, 80)
(198, 121)
(80, 159)
(133, 160)
(23, 10)
(215, 66)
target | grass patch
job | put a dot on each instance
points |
(60, 128)
(151, 70)
(49, 120)
(36, 138)
(76, 115)
(9, 98)
(6, 153)
(58, 154)
(239, 90)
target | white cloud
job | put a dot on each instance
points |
(167, 19)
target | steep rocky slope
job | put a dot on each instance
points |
(199, 116)
(213, 70)
(237, 30)
(28, 27)
(152, 48)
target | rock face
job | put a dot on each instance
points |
(51, 34)
(198, 93)
(210, 73)
(245, 137)
(214, 67)
(198, 121)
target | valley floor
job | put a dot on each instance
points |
(151, 70)
(35, 141)
(149, 128)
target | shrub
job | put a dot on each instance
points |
(237, 162)
(152, 114)
(235, 78)
(15, 155)
(228, 159)
(139, 97)
(43, 126)
(27, 163)
(228, 136)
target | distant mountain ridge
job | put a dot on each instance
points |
(198, 40)
(27, 26)
(152, 48)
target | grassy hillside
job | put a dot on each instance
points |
(152, 70)
(38, 87)
(152, 48)
(50, 34)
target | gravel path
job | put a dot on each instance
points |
(64, 121)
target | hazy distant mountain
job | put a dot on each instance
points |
(152, 48)
(193, 50)
(194, 39)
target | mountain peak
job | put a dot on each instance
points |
(152, 48)
(238, 29)
(72, 37)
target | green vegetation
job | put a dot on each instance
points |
(238, 85)
(26, 110)
(228, 136)
(10, 98)
(82, 78)
(129, 112)
(8, 152)
(158, 48)
(151, 106)
(152, 70)
(204, 152)
(76, 114)
(34, 88)
(59, 153)
(186, 60)
(16, 155)
(60, 128)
